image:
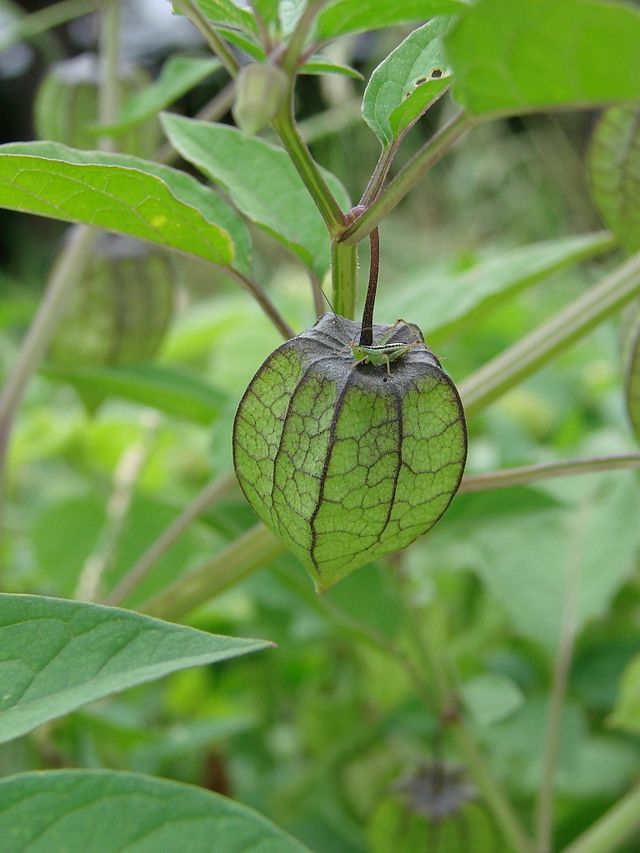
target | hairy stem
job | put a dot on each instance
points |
(344, 279)
(208, 32)
(616, 826)
(212, 492)
(540, 346)
(285, 126)
(429, 154)
(531, 473)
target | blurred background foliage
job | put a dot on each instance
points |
(324, 734)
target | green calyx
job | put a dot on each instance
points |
(260, 90)
(348, 461)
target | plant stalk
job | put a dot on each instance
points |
(344, 279)
(263, 301)
(285, 126)
(71, 262)
(30, 26)
(616, 826)
(238, 560)
(366, 327)
(562, 664)
(532, 473)
(212, 492)
(208, 32)
(429, 154)
(539, 346)
(430, 645)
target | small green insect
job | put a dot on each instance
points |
(383, 352)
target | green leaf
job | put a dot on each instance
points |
(123, 194)
(179, 74)
(268, 10)
(262, 182)
(355, 16)
(491, 697)
(444, 304)
(289, 13)
(110, 812)
(165, 388)
(515, 56)
(319, 64)
(626, 714)
(224, 12)
(57, 655)
(614, 173)
(341, 463)
(403, 86)
(600, 534)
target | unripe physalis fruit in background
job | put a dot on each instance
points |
(260, 91)
(344, 459)
(614, 176)
(119, 311)
(630, 348)
(66, 106)
(613, 165)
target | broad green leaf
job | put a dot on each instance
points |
(340, 463)
(515, 56)
(626, 714)
(123, 194)
(168, 389)
(443, 304)
(355, 16)
(614, 173)
(224, 12)
(597, 540)
(57, 655)
(407, 82)
(102, 811)
(262, 183)
(179, 74)
(268, 10)
(319, 64)
(289, 12)
(491, 697)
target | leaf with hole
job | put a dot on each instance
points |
(104, 810)
(262, 182)
(123, 194)
(515, 56)
(348, 461)
(407, 82)
(57, 655)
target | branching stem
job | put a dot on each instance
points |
(366, 329)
